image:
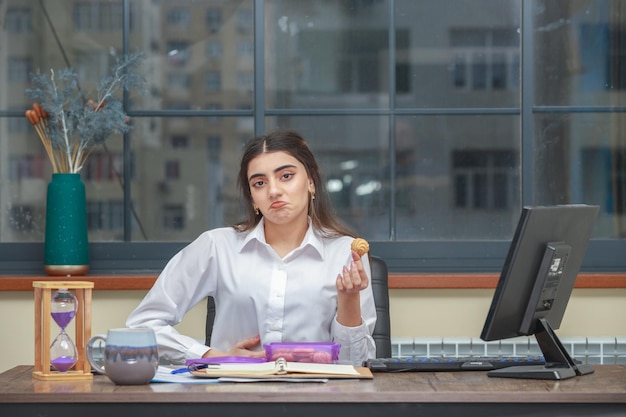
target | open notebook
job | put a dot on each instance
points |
(280, 368)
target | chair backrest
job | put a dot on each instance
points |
(382, 331)
(380, 287)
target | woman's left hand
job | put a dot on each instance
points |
(354, 279)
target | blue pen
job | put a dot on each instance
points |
(192, 367)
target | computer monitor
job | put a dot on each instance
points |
(536, 283)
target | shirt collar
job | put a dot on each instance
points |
(311, 238)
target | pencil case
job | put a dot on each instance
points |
(313, 352)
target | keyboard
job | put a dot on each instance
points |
(445, 363)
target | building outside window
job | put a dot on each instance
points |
(18, 69)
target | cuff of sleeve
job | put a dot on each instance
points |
(196, 351)
(352, 334)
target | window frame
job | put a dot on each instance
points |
(603, 255)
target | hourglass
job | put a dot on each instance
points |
(64, 358)
(63, 353)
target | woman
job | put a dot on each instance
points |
(284, 274)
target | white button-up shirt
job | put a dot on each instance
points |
(290, 299)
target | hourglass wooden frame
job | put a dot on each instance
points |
(82, 325)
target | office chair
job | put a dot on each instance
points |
(380, 287)
(382, 330)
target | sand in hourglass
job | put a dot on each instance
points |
(62, 350)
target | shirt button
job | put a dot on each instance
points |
(275, 326)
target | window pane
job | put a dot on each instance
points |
(353, 154)
(579, 158)
(582, 59)
(192, 55)
(457, 177)
(457, 53)
(186, 176)
(326, 54)
(30, 45)
(452, 118)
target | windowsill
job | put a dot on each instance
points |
(396, 281)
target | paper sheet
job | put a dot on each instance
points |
(164, 374)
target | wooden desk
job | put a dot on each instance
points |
(416, 394)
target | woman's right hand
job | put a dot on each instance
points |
(241, 348)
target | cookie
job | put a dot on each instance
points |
(360, 246)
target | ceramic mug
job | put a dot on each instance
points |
(130, 355)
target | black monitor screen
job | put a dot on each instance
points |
(536, 282)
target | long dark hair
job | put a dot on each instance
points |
(290, 142)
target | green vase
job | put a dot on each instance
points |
(66, 249)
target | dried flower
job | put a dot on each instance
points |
(68, 123)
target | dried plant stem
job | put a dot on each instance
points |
(47, 146)
(57, 158)
(64, 128)
(83, 157)
(42, 131)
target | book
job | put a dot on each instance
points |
(280, 368)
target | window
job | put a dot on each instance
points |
(245, 81)
(432, 133)
(617, 59)
(172, 170)
(214, 144)
(245, 48)
(213, 81)
(98, 16)
(244, 21)
(214, 19)
(18, 20)
(179, 16)
(603, 54)
(358, 70)
(179, 142)
(101, 166)
(105, 215)
(485, 58)
(27, 166)
(483, 179)
(213, 49)
(173, 217)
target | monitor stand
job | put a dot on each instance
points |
(559, 364)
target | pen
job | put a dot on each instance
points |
(194, 367)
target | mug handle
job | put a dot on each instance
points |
(98, 367)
